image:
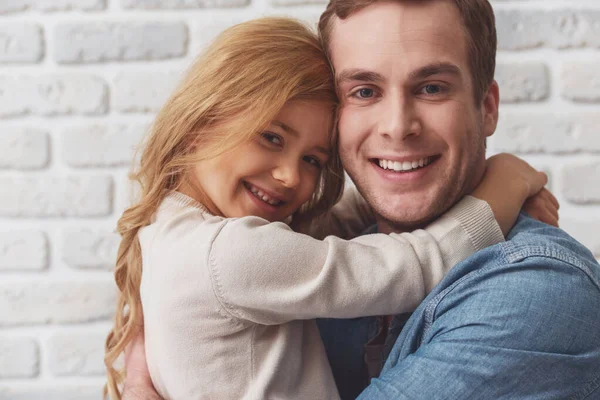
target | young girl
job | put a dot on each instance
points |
(228, 290)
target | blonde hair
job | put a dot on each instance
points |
(228, 96)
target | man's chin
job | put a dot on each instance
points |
(408, 215)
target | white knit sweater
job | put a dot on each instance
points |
(229, 303)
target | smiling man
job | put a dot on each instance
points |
(519, 320)
(418, 100)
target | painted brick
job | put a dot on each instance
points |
(585, 232)
(143, 91)
(580, 182)
(23, 250)
(7, 6)
(119, 41)
(204, 31)
(72, 93)
(539, 132)
(524, 82)
(89, 249)
(581, 82)
(26, 303)
(101, 145)
(71, 196)
(181, 4)
(297, 2)
(19, 358)
(521, 29)
(21, 43)
(76, 354)
(29, 391)
(24, 148)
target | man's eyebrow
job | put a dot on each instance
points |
(362, 75)
(434, 69)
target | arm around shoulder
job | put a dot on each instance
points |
(266, 273)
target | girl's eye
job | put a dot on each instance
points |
(272, 138)
(313, 161)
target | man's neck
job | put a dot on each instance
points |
(385, 226)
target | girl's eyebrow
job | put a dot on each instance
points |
(286, 128)
(323, 150)
(295, 133)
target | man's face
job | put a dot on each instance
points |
(411, 135)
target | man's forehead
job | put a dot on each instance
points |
(385, 31)
(384, 23)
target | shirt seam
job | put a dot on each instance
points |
(588, 390)
(431, 308)
(517, 253)
(214, 275)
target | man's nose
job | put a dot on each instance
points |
(398, 119)
(288, 174)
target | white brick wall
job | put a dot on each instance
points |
(79, 83)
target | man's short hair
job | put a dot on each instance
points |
(477, 17)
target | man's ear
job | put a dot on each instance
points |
(489, 109)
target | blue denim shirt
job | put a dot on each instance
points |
(518, 320)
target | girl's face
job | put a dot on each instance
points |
(274, 174)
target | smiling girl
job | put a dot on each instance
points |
(242, 157)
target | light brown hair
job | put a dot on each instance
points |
(478, 20)
(231, 93)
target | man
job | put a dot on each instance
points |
(517, 320)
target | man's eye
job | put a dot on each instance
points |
(364, 93)
(432, 89)
(272, 138)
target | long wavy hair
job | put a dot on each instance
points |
(231, 93)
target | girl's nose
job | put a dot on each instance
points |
(288, 174)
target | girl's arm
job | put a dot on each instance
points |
(350, 217)
(268, 274)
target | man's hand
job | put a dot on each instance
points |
(138, 384)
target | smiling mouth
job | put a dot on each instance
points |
(404, 166)
(262, 196)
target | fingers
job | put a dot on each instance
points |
(551, 198)
(550, 202)
(543, 207)
(537, 180)
(544, 178)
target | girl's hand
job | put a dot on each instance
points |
(507, 184)
(543, 206)
(138, 384)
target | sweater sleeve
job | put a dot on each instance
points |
(347, 219)
(268, 274)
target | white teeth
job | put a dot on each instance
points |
(404, 165)
(263, 196)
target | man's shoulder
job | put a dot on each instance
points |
(534, 258)
(531, 240)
